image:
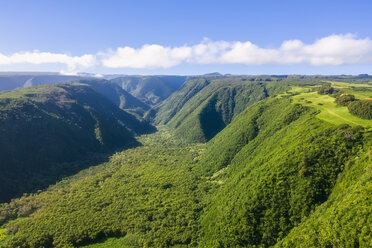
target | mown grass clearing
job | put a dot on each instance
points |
(360, 91)
(111, 242)
(329, 111)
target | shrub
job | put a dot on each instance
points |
(362, 109)
(344, 99)
(325, 90)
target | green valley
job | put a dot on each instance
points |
(46, 130)
(234, 161)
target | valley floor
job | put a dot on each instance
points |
(152, 182)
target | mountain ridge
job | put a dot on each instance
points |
(45, 125)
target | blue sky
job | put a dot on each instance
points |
(187, 37)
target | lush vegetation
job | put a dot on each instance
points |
(204, 106)
(117, 95)
(284, 166)
(329, 111)
(148, 194)
(344, 99)
(43, 128)
(362, 109)
(150, 89)
(325, 90)
(344, 220)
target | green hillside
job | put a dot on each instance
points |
(44, 126)
(277, 168)
(117, 95)
(150, 89)
(203, 107)
(284, 171)
(169, 108)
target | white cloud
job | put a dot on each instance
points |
(339, 49)
(331, 50)
(148, 56)
(73, 63)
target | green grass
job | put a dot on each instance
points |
(329, 111)
(361, 91)
(344, 84)
(110, 243)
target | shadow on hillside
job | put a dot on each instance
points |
(16, 183)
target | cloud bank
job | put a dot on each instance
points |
(332, 50)
(72, 63)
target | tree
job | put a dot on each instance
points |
(344, 99)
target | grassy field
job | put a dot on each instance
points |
(360, 91)
(111, 243)
(329, 111)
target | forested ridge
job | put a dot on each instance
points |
(236, 162)
(45, 129)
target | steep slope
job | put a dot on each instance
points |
(150, 89)
(271, 168)
(203, 107)
(344, 220)
(47, 125)
(117, 95)
(172, 105)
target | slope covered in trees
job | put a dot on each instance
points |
(150, 89)
(279, 162)
(47, 125)
(362, 109)
(148, 194)
(203, 107)
(117, 95)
